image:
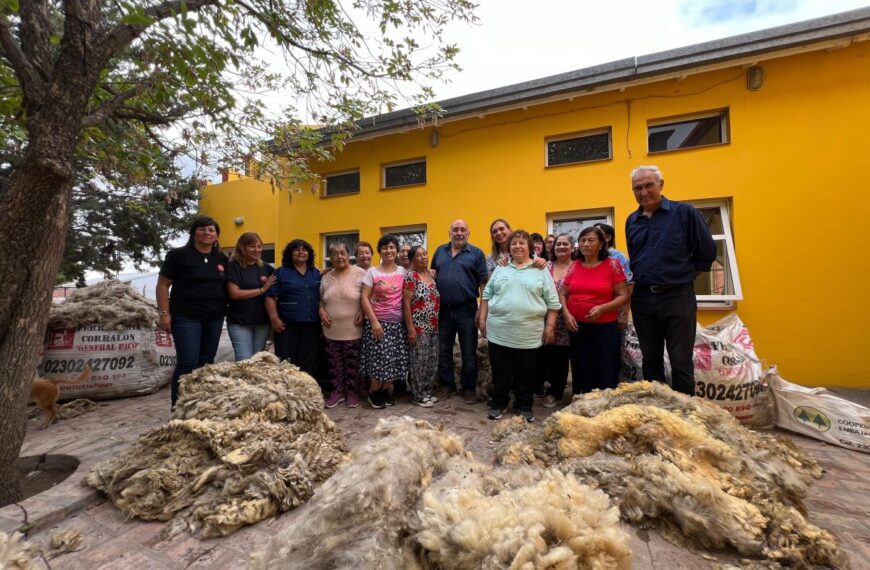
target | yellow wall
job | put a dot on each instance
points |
(793, 170)
(255, 201)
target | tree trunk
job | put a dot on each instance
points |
(34, 214)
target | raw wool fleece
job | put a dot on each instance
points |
(684, 466)
(414, 498)
(16, 553)
(247, 440)
(483, 390)
(111, 304)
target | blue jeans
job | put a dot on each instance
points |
(453, 321)
(196, 343)
(247, 339)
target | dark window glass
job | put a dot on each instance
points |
(339, 184)
(405, 174)
(348, 239)
(687, 134)
(268, 255)
(580, 149)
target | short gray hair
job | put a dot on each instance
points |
(650, 168)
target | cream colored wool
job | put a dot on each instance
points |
(413, 498)
(16, 553)
(111, 304)
(68, 540)
(685, 467)
(247, 440)
(483, 388)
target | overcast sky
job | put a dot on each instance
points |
(519, 40)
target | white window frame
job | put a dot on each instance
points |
(724, 126)
(384, 168)
(325, 249)
(731, 272)
(325, 177)
(606, 213)
(578, 135)
(420, 228)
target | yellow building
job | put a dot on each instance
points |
(766, 133)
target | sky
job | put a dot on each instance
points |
(518, 40)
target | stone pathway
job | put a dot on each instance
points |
(839, 502)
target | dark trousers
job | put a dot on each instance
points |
(513, 369)
(667, 318)
(594, 356)
(196, 343)
(453, 321)
(553, 368)
(298, 344)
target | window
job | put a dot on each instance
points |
(572, 149)
(268, 255)
(341, 183)
(572, 223)
(703, 130)
(347, 238)
(721, 286)
(411, 235)
(405, 174)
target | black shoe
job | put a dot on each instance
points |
(376, 400)
(388, 398)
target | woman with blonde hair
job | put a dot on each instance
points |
(248, 279)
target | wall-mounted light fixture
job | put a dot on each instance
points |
(434, 138)
(754, 78)
(239, 221)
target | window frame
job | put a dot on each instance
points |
(724, 126)
(606, 213)
(324, 257)
(576, 135)
(416, 228)
(385, 166)
(732, 273)
(326, 176)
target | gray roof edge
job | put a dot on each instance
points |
(744, 45)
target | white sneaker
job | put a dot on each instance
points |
(423, 403)
(433, 399)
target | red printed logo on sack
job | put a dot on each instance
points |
(163, 339)
(743, 339)
(703, 357)
(60, 339)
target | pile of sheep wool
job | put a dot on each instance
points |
(685, 467)
(16, 553)
(111, 304)
(413, 498)
(484, 371)
(247, 440)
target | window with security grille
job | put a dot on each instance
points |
(573, 149)
(341, 183)
(405, 174)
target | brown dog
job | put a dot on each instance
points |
(45, 392)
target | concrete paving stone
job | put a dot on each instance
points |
(184, 550)
(133, 559)
(219, 557)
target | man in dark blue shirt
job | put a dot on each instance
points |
(461, 275)
(668, 244)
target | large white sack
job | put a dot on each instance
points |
(727, 370)
(818, 413)
(127, 362)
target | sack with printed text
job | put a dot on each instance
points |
(727, 370)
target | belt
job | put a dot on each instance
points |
(658, 289)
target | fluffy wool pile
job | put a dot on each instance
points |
(684, 467)
(414, 498)
(16, 553)
(484, 371)
(247, 440)
(111, 304)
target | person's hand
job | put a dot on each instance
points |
(358, 318)
(267, 284)
(570, 321)
(433, 273)
(482, 328)
(549, 334)
(539, 263)
(412, 336)
(324, 318)
(377, 330)
(595, 313)
(278, 325)
(164, 322)
(503, 261)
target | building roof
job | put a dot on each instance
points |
(846, 26)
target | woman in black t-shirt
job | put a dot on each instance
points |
(194, 309)
(248, 278)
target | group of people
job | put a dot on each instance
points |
(541, 303)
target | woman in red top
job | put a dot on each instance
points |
(590, 295)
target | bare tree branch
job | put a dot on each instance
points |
(164, 118)
(32, 85)
(99, 115)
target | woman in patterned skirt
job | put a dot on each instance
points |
(384, 343)
(421, 303)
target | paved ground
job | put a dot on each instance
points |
(840, 501)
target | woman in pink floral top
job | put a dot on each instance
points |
(555, 357)
(421, 303)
